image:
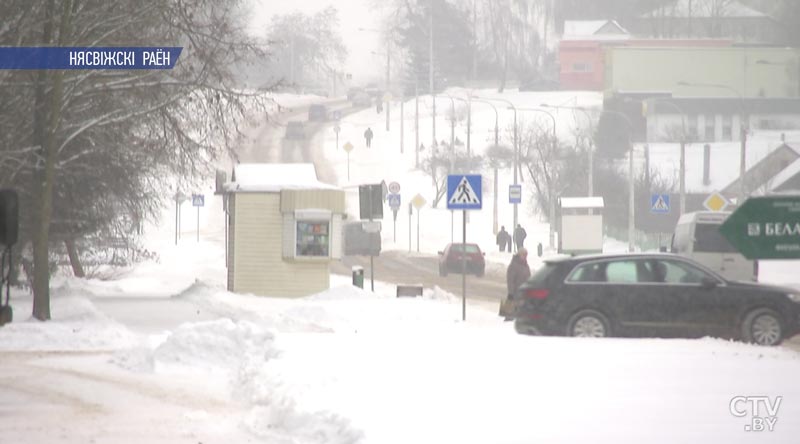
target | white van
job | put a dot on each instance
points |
(697, 237)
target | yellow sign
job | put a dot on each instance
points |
(418, 201)
(348, 147)
(715, 202)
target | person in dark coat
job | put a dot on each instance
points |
(502, 238)
(519, 237)
(517, 273)
(368, 137)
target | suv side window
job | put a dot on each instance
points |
(678, 272)
(591, 272)
(621, 272)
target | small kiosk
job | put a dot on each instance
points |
(580, 225)
(284, 229)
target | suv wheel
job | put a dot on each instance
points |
(762, 327)
(588, 324)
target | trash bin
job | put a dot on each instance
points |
(358, 276)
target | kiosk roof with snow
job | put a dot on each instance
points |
(581, 202)
(274, 177)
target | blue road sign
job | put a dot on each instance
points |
(198, 200)
(464, 192)
(659, 203)
(515, 194)
(394, 200)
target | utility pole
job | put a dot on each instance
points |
(682, 174)
(388, 79)
(416, 122)
(742, 161)
(430, 74)
(630, 197)
(291, 61)
(402, 125)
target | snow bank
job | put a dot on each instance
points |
(75, 325)
(214, 346)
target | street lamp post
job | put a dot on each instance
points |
(388, 67)
(743, 124)
(553, 176)
(516, 150)
(496, 143)
(682, 173)
(590, 187)
(631, 190)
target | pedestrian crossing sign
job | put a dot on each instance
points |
(464, 192)
(659, 203)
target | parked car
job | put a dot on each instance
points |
(352, 92)
(317, 113)
(362, 99)
(295, 130)
(450, 259)
(697, 237)
(661, 295)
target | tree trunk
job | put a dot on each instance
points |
(74, 258)
(49, 118)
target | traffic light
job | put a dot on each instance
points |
(9, 217)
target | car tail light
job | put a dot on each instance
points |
(537, 293)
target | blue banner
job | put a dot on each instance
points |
(89, 58)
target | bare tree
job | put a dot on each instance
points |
(89, 148)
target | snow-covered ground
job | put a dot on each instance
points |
(349, 366)
(162, 353)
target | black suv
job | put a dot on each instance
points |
(661, 295)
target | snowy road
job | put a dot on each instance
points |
(268, 145)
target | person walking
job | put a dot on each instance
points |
(517, 273)
(519, 237)
(368, 137)
(502, 238)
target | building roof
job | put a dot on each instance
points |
(594, 30)
(705, 9)
(274, 177)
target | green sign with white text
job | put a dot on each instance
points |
(765, 228)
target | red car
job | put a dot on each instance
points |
(450, 259)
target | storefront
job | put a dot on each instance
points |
(284, 229)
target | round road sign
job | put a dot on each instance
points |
(394, 187)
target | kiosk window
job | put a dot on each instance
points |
(313, 238)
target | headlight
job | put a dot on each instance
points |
(794, 296)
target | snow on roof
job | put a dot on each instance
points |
(594, 30)
(581, 202)
(274, 177)
(705, 9)
(724, 167)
